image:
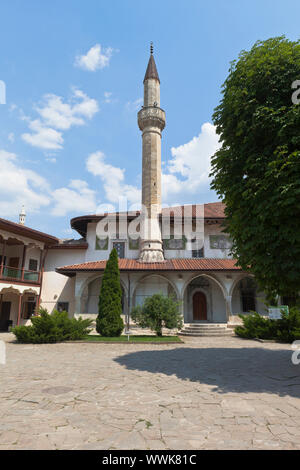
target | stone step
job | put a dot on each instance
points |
(206, 333)
(198, 330)
(206, 329)
(205, 325)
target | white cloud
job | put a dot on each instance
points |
(57, 116)
(51, 159)
(11, 137)
(186, 176)
(96, 58)
(107, 96)
(113, 179)
(43, 137)
(133, 106)
(77, 197)
(20, 186)
(187, 172)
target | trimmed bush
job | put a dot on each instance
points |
(158, 312)
(109, 321)
(286, 329)
(53, 328)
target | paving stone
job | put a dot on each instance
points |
(212, 393)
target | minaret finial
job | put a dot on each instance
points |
(22, 216)
(151, 47)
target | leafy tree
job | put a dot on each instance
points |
(109, 321)
(158, 311)
(257, 169)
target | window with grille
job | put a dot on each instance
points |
(63, 306)
(33, 265)
(120, 247)
(248, 301)
(198, 253)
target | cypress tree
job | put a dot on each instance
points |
(109, 321)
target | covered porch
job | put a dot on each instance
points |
(21, 260)
(17, 304)
(201, 286)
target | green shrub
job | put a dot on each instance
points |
(109, 321)
(286, 329)
(158, 311)
(53, 328)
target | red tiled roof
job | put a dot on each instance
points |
(179, 264)
(214, 210)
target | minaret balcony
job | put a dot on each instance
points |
(151, 116)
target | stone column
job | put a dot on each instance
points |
(228, 300)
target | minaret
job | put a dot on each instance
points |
(22, 216)
(151, 121)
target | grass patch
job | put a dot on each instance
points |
(133, 339)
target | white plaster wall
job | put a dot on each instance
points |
(32, 253)
(149, 286)
(211, 252)
(218, 304)
(208, 252)
(94, 255)
(57, 287)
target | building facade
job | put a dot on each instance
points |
(179, 251)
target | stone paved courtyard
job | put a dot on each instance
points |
(209, 393)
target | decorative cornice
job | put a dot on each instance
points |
(151, 116)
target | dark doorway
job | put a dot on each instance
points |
(199, 306)
(4, 316)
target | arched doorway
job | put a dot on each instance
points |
(199, 306)
(211, 303)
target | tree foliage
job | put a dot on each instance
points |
(158, 311)
(257, 169)
(109, 321)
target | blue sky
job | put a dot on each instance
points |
(69, 141)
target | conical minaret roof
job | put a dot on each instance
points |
(151, 71)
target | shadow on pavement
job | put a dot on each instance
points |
(240, 370)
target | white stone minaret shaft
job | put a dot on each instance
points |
(151, 121)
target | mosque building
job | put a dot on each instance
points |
(180, 251)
